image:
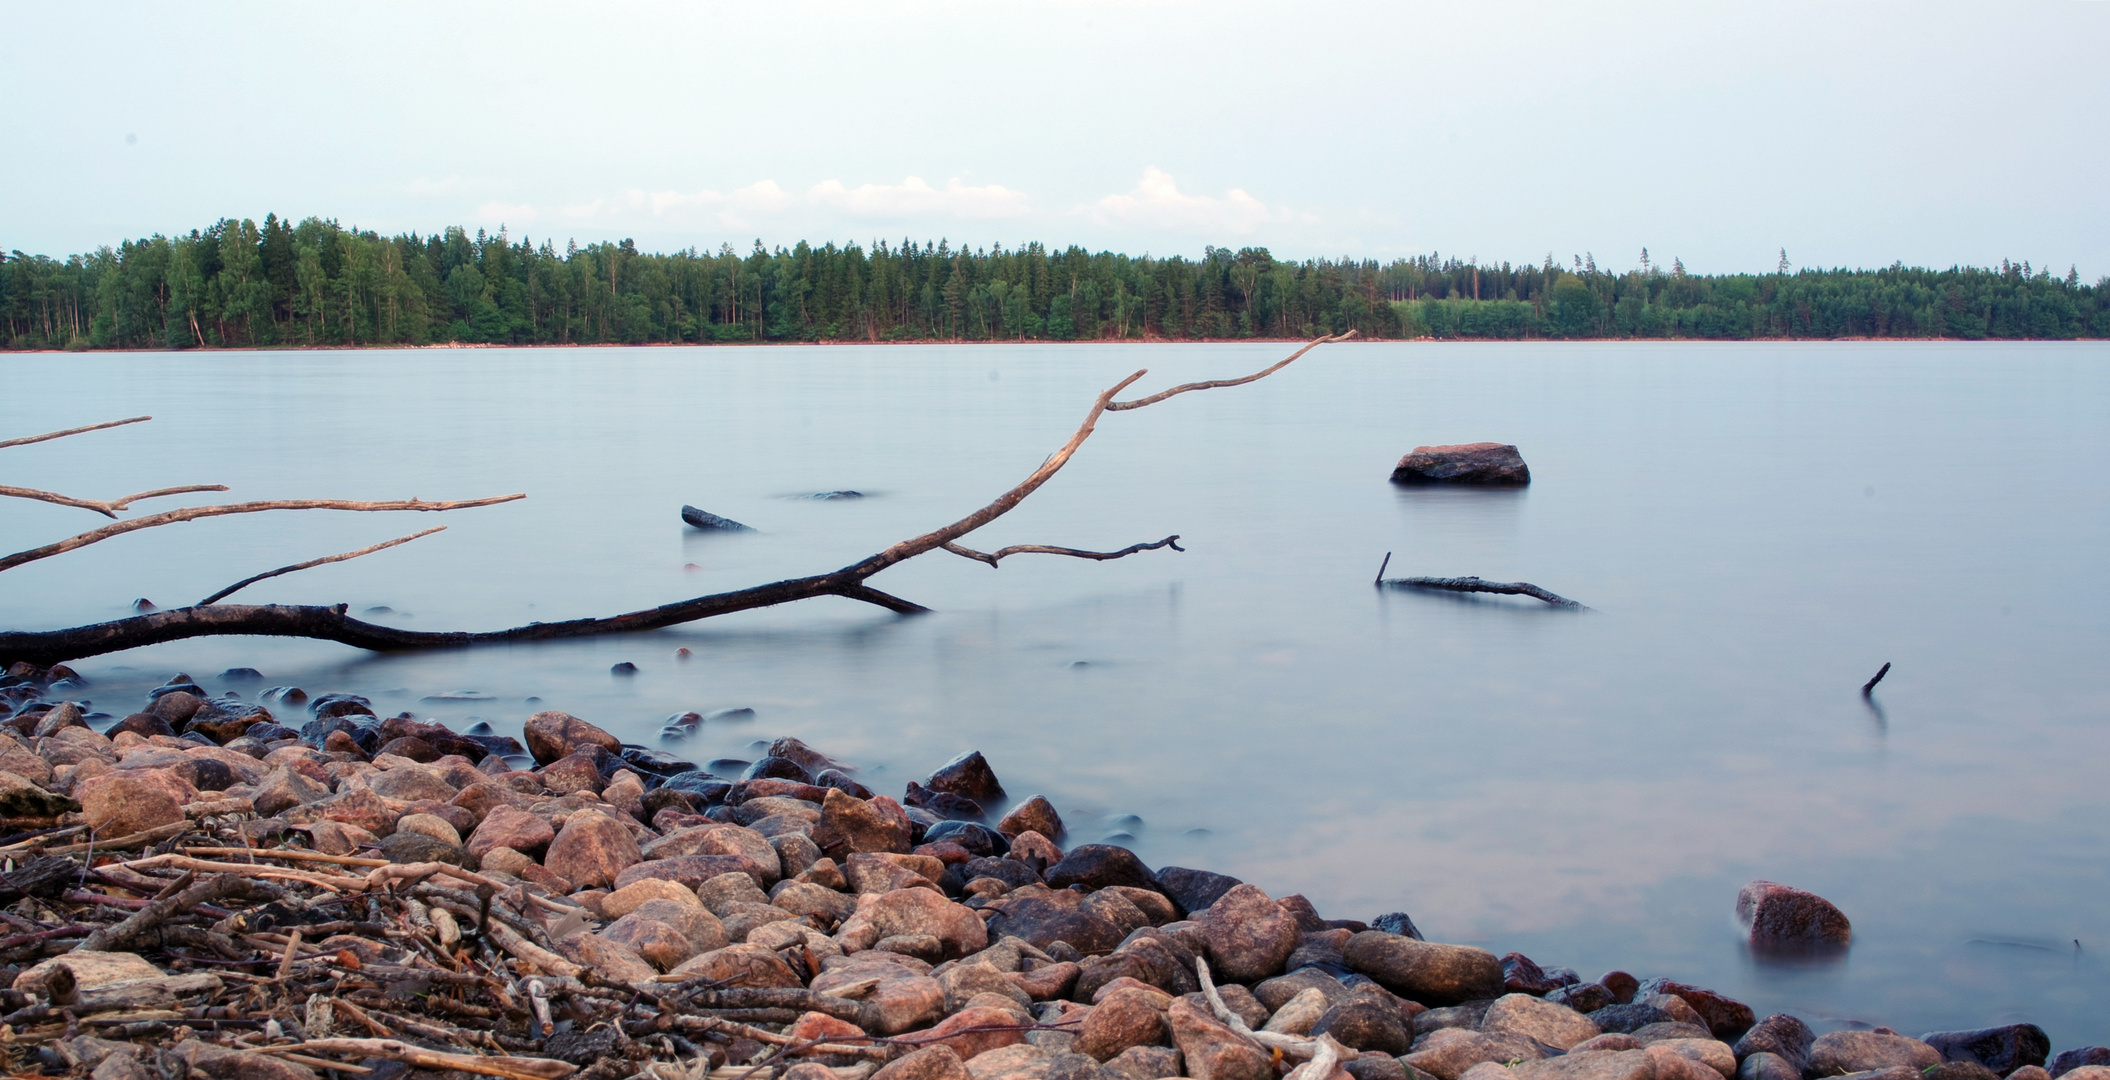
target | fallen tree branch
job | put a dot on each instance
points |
(171, 517)
(110, 508)
(384, 545)
(1041, 549)
(154, 914)
(50, 435)
(331, 623)
(1473, 584)
(512, 1068)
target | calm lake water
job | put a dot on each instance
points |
(1759, 528)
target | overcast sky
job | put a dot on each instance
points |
(1849, 133)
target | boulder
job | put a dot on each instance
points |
(1595, 1065)
(1125, 1017)
(1483, 463)
(1641, 1012)
(121, 803)
(552, 736)
(913, 912)
(1555, 1025)
(1366, 1025)
(2001, 1049)
(1765, 1065)
(612, 961)
(1096, 866)
(904, 998)
(1447, 1053)
(1863, 1051)
(970, 777)
(1423, 971)
(510, 827)
(2069, 1060)
(1044, 918)
(930, 1063)
(741, 965)
(694, 870)
(849, 824)
(1781, 918)
(1036, 814)
(1211, 1050)
(1193, 890)
(1248, 935)
(592, 851)
(1782, 1035)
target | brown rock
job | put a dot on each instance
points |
(965, 1032)
(177, 707)
(1464, 463)
(808, 900)
(1020, 1061)
(1248, 935)
(970, 777)
(609, 959)
(504, 860)
(1123, 1018)
(1036, 814)
(1594, 1065)
(692, 870)
(360, 807)
(1557, 1026)
(411, 783)
(120, 804)
(625, 900)
(1784, 918)
(1423, 971)
(283, 789)
(508, 827)
(913, 911)
(1713, 1055)
(1447, 1053)
(743, 965)
(593, 850)
(905, 998)
(1861, 1051)
(1030, 847)
(573, 772)
(939, 1062)
(409, 746)
(431, 825)
(553, 735)
(1211, 1050)
(1146, 1063)
(849, 825)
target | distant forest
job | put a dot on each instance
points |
(319, 284)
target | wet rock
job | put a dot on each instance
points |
(1641, 1012)
(406, 847)
(968, 776)
(1124, 1018)
(1095, 866)
(841, 781)
(117, 804)
(850, 824)
(1276, 993)
(1193, 890)
(1582, 997)
(510, 827)
(329, 706)
(1366, 1025)
(142, 724)
(1521, 976)
(1036, 814)
(913, 911)
(1423, 971)
(1211, 1050)
(1153, 960)
(1396, 922)
(1248, 935)
(592, 851)
(929, 1063)
(1448, 1052)
(1767, 1066)
(1726, 1017)
(1861, 1051)
(1483, 463)
(178, 706)
(1468, 1015)
(979, 840)
(1782, 1035)
(2001, 1049)
(572, 773)
(777, 768)
(1781, 918)
(1045, 919)
(2069, 1060)
(552, 736)
(1671, 1065)
(1299, 1014)
(1021, 1061)
(1555, 1025)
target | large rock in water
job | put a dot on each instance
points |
(1467, 463)
(1781, 918)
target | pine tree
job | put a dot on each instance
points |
(1783, 268)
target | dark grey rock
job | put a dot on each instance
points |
(1582, 997)
(1095, 866)
(1194, 890)
(1366, 1025)
(2001, 1049)
(1726, 1017)
(2069, 1060)
(968, 776)
(1396, 922)
(704, 519)
(980, 840)
(1782, 1035)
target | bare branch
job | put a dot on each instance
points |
(193, 513)
(48, 436)
(1212, 384)
(248, 581)
(1473, 584)
(106, 509)
(1042, 549)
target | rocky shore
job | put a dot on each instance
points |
(279, 888)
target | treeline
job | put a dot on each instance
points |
(317, 283)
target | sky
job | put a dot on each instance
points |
(1847, 133)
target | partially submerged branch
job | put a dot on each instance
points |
(1212, 384)
(50, 435)
(991, 557)
(110, 508)
(1473, 584)
(193, 513)
(383, 546)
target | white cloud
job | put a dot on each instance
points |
(1158, 204)
(913, 198)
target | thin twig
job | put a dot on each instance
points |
(110, 508)
(1473, 584)
(171, 517)
(47, 436)
(384, 545)
(1042, 549)
(1212, 384)
(1381, 569)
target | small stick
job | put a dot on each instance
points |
(27, 439)
(248, 581)
(285, 964)
(293, 854)
(1381, 569)
(1870, 686)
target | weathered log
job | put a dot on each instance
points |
(1473, 584)
(704, 519)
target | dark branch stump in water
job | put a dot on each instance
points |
(704, 519)
(1473, 584)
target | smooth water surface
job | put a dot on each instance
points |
(1759, 528)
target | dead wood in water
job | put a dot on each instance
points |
(331, 623)
(1473, 584)
(1870, 686)
(383, 546)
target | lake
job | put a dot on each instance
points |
(1759, 527)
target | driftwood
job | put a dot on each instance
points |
(193, 513)
(331, 623)
(383, 546)
(1473, 584)
(1870, 686)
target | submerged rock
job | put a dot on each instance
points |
(704, 519)
(1483, 463)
